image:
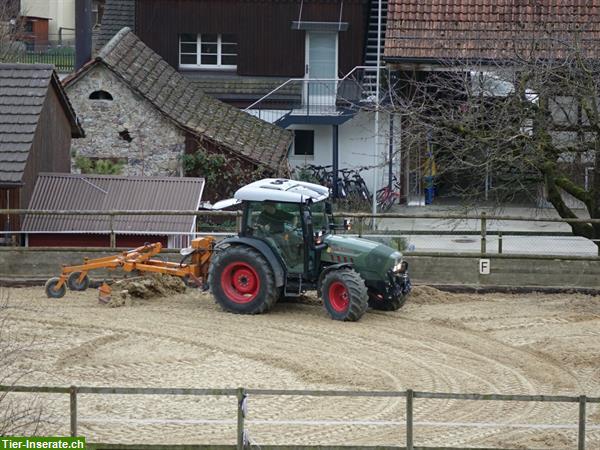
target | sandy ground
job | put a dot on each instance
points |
(509, 344)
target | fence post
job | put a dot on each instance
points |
(73, 409)
(241, 396)
(581, 434)
(483, 232)
(500, 242)
(409, 419)
(361, 223)
(113, 239)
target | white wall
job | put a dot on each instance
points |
(356, 143)
(60, 12)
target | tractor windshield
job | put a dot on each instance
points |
(319, 216)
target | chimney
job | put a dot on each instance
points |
(83, 32)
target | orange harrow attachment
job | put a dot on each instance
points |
(193, 274)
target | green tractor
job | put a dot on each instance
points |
(287, 246)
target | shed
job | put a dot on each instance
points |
(76, 192)
(37, 123)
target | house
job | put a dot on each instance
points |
(143, 114)
(37, 123)
(308, 67)
(76, 192)
(482, 39)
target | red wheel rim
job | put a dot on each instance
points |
(240, 282)
(338, 296)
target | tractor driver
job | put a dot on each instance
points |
(279, 225)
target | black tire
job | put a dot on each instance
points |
(49, 288)
(74, 285)
(345, 294)
(242, 281)
(389, 304)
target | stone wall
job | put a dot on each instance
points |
(127, 127)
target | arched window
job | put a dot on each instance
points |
(100, 95)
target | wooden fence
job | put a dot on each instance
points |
(361, 228)
(241, 394)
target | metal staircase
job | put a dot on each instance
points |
(369, 82)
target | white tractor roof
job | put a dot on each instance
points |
(282, 190)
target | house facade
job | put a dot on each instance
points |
(486, 46)
(304, 66)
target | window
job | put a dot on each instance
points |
(208, 50)
(304, 142)
(100, 95)
(28, 28)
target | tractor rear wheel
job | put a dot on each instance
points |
(386, 304)
(242, 281)
(345, 295)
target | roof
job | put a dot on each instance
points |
(75, 192)
(487, 29)
(235, 87)
(117, 15)
(146, 73)
(23, 90)
(282, 190)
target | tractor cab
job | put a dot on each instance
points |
(289, 216)
(286, 247)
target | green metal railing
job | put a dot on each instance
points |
(64, 61)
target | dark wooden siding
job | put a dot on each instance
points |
(9, 199)
(50, 151)
(267, 44)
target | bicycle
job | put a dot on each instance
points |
(386, 196)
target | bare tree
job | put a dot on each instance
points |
(20, 414)
(11, 26)
(526, 125)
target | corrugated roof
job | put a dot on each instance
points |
(75, 192)
(23, 90)
(117, 15)
(238, 132)
(488, 29)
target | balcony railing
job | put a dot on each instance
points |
(317, 97)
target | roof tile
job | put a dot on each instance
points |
(486, 29)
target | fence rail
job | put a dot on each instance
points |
(491, 241)
(242, 393)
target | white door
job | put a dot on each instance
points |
(321, 70)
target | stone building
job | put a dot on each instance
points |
(140, 112)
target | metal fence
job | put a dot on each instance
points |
(443, 235)
(242, 394)
(62, 59)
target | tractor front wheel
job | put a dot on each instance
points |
(345, 295)
(242, 281)
(376, 301)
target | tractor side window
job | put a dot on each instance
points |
(319, 216)
(280, 225)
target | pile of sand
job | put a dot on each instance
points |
(146, 287)
(427, 295)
